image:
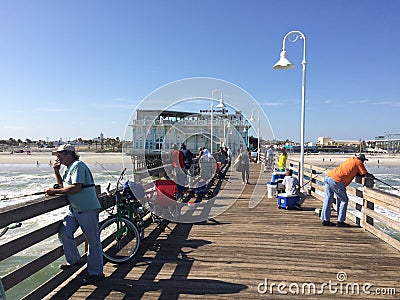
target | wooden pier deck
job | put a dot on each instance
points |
(244, 253)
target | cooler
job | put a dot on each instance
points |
(287, 201)
(201, 189)
(277, 175)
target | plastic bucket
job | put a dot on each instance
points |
(271, 190)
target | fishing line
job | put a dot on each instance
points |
(323, 171)
(386, 184)
(108, 172)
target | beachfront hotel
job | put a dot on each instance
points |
(154, 131)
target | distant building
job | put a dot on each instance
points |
(324, 141)
(390, 142)
(156, 130)
(327, 144)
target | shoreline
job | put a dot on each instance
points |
(327, 159)
(320, 159)
(46, 158)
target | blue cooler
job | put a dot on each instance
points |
(201, 189)
(287, 201)
(277, 175)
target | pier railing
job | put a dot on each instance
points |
(39, 208)
(374, 210)
(26, 211)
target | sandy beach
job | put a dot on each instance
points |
(46, 158)
(324, 159)
(117, 158)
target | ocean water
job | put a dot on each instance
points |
(23, 179)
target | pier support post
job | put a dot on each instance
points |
(368, 182)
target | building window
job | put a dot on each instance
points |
(159, 143)
(149, 144)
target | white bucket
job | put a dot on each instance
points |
(271, 190)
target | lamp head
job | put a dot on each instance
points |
(221, 104)
(283, 62)
(251, 118)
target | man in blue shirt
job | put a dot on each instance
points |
(77, 183)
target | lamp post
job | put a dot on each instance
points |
(220, 105)
(246, 132)
(258, 131)
(226, 135)
(284, 64)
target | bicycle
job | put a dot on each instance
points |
(123, 230)
(3, 232)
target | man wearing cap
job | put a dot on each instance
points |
(336, 182)
(77, 183)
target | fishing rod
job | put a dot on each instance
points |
(386, 184)
(108, 172)
(21, 196)
(323, 171)
(55, 186)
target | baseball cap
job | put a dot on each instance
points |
(362, 157)
(64, 147)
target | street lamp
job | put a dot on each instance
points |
(226, 135)
(284, 64)
(246, 129)
(258, 131)
(220, 105)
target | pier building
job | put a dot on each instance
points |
(156, 130)
(389, 142)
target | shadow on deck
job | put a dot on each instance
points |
(246, 253)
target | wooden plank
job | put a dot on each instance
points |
(383, 199)
(28, 240)
(382, 218)
(21, 212)
(31, 209)
(31, 268)
(383, 236)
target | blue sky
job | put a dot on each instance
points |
(77, 68)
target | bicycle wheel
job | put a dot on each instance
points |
(120, 238)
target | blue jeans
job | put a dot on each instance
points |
(89, 223)
(338, 188)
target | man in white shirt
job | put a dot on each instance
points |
(292, 187)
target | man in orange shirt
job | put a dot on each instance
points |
(336, 182)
